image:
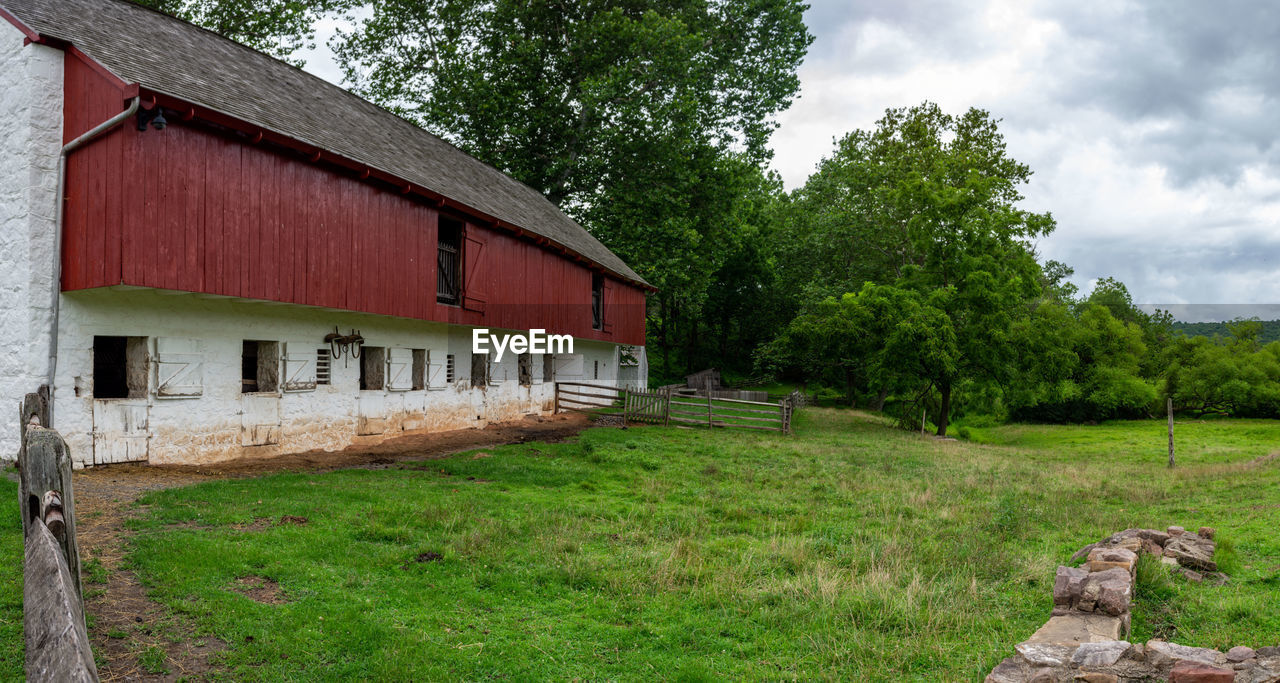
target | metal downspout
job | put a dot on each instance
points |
(56, 298)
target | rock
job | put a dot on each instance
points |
(1240, 653)
(1045, 654)
(1175, 531)
(1102, 559)
(1076, 628)
(1192, 575)
(1159, 649)
(1105, 653)
(1067, 585)
(1194, 672)
(1150, 547)
(1115, 596)
(1097, 677)
(1206, 532)
(1268, 652)
(1190, 554)
(1157, 537)
(1131, 543)
(1089, 596)
(1168, 560)
(1043, 676)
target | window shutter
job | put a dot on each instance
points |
(605, 313)
(473, 294)
(399, 369)
(436, 372)
(568, 365)
(179, 368)
(299, 366)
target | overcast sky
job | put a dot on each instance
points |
(1151, 127)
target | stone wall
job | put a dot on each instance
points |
(30, 143)
(1085, 637)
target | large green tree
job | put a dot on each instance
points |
(648, 121)
(926, 203)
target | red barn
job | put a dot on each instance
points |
(209, 253)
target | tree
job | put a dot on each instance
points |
(277, 27)
(643, 120)
(926, 203)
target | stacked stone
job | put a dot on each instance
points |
(1084, 638)
(1123, 662)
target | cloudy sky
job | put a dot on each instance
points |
(1152, 126)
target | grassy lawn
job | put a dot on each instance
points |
(11, 650)
(850, 551)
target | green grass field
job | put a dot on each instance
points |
(11, 649)
(850, 551)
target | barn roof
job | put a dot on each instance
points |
(173, 57)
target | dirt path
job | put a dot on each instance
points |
(135, 638)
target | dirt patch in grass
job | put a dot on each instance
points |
(260, 589)
(136, 639)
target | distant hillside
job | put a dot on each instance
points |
(1270, 330)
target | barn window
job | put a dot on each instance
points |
(526, 369)
(322, 366)
(120, 367)
(449, 262)
(479, 369)
(373, 367)
(597, 302)
(259, 367)
(419, 369)
(548, 367)
(449, 375)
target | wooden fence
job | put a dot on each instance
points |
(57, 643)
(665, 407)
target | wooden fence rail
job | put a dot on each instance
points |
(665, 407)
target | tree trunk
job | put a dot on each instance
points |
(944, 411)
(848, 387)
(880, 399)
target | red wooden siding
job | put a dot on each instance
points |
(197, 210)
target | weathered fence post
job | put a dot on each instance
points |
(666, 409)
(556, 392)
(46, 467)
(57, 642)
(1169, 405)
(710, 415)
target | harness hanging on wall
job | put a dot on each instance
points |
(344, 343)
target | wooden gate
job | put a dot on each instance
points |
(644, 406)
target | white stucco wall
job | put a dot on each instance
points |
(209, 428)
(30, 142)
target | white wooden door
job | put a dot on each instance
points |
(121, 430)
(259, 419)
(371, 409)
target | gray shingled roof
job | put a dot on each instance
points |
(179, 59)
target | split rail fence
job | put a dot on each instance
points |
(666, 407)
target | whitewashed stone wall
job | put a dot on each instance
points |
(208, 428)
(30, 142)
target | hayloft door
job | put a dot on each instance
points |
(120, 430)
